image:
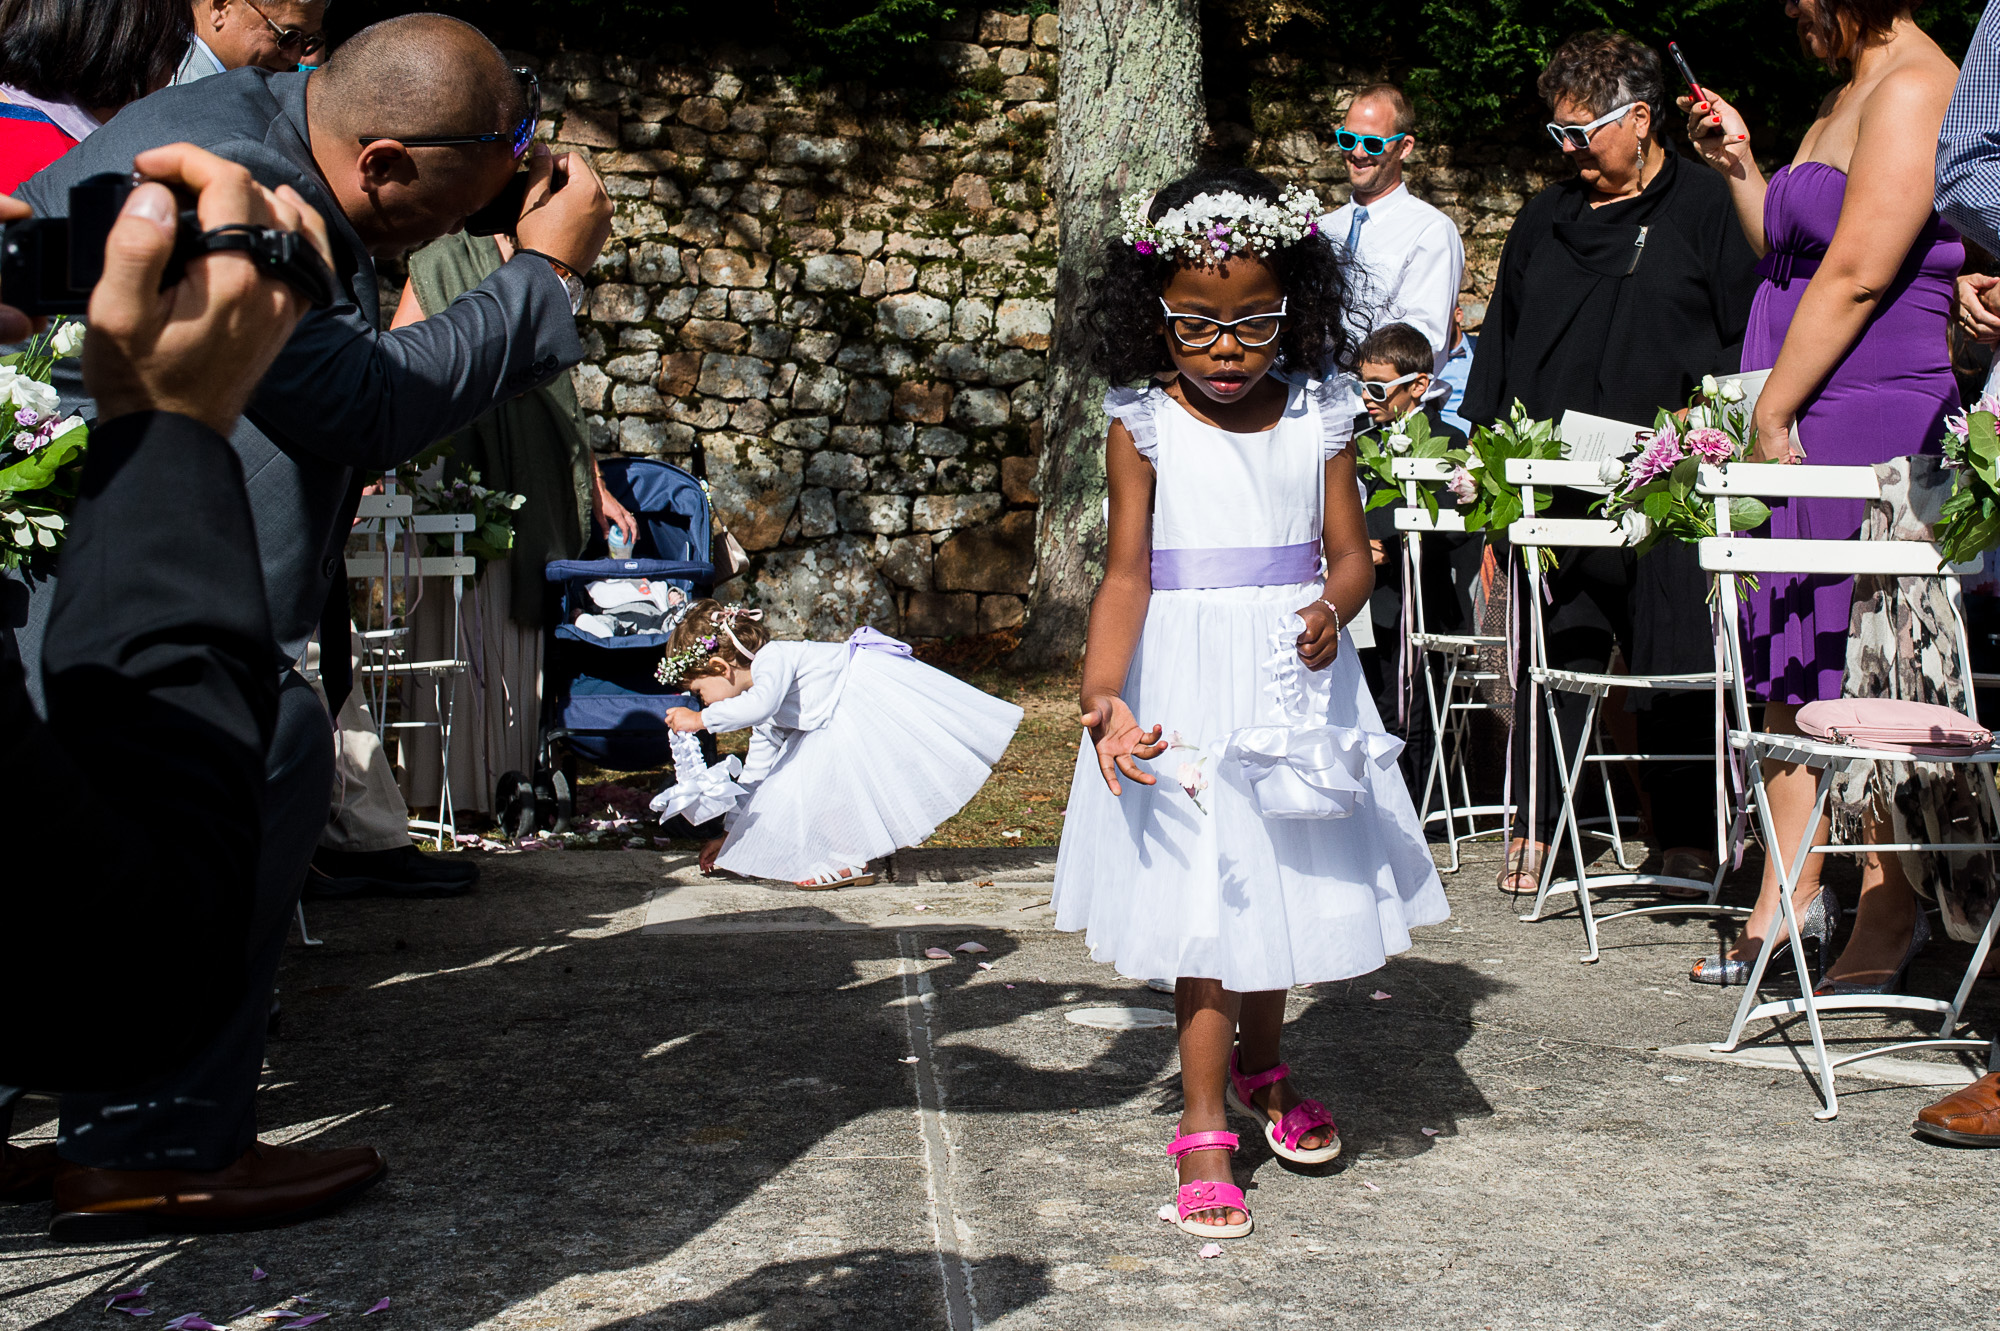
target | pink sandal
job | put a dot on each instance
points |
(1301, 1118)
(1207, 1195)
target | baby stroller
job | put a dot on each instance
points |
(600, 700)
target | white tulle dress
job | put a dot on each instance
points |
(1298, 856)
(856, 750)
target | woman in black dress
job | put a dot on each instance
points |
(1619, 289)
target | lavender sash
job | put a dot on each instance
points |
(1248, 566)
(870, 639)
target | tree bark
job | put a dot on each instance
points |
(1129, 116)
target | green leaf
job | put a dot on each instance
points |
(1680, 481)
(1381, 499)
(38, 470)
(1656, 505)
(1747, 514)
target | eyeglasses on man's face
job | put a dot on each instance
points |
(1578, 136)
(1199, 330)
(293, 42)
(519, 138)
(1372, 144)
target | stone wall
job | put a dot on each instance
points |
(841, 295)
(844, 306)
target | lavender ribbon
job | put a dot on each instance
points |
(1248, 566)
(870, 639)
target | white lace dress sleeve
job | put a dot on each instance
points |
(1339, 402)
(1139, 409)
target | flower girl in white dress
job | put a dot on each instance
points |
(1284, 849)
(856, 748)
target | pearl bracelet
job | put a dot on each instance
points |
(1334, 608)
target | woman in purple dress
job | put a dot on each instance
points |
(1851, 321)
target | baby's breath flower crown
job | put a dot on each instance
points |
(674, 667)
(1211, 227)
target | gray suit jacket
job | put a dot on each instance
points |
(343, 396)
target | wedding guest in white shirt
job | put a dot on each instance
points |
(1409, 256)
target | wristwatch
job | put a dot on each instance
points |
(571, 282)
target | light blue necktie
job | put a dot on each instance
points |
(1354, 230)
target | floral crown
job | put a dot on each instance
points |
(675, 666)
(1209, 227)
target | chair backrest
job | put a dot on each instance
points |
(671, 505)
(1730, 557)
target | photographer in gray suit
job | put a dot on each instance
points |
(411, 126)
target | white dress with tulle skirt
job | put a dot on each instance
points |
(1280, 846)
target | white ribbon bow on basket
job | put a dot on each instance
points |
(699, 792)
(1296, 769)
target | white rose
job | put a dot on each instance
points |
(1637, 526)
(73, 423)
(1708, 386)
(68, 339)
(9, 376)
(1611, 471)
(1732, 391)
(1399, 443)
(36, 396)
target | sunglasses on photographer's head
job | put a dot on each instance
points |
(1372, 144)
(307, 43)
(1199, 330)
(1378, 390)
(520, 138)
(1578, 136)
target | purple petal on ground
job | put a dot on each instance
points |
(380, 1307)
(986, 965)
(1379, 995)
(251, 1309)
(937, 954)
(1210, 1250)
(197, 1323)
(1370, 1186)
(259, 1273)
(1168, 1213)
(127, 1296)
(133, 1310)
(1428, 1132)
(308, 1321)
(971, 947)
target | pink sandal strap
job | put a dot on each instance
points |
(1302, 1118)
(1248, 1085)
(1209, 1196)
(1202, 1141)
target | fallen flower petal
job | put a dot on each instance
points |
(1428, 1132)
(937, 954)
(1210, 1250)
(920, 906)
(127, 1296)
(308, 1321)
(259, 1273)
(986, 965)
(251, 1309)
(1370, 1186)
(971, 947)
(1378, 995)
(1010, 986)
(911, 1059)
(1167, 1212)
(382, 1306)
(1011, 836)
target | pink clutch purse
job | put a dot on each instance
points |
(1920, 729)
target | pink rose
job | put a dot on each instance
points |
(1711, 445)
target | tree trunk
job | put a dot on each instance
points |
(1129, 116)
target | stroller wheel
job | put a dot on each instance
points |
(514, 800)
(555, 804)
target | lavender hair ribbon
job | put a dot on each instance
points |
(1248, 566)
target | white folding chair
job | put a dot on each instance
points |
(389, 531)
(1452, 673)
(1545, 682)
(1733, 557)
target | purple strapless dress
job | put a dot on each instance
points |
(1887, 397)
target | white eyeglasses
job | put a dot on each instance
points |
(1198, 330)
(1379, 390)
(1578, 136)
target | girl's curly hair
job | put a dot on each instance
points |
(699, 638)
(1122, 303)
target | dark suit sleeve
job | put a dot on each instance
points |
(347, 393)
(129, 888)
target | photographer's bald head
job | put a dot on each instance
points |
(421, 76)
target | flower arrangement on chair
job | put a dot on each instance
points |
(1970, 524)
(40, 458)
(1376, 452)
(1653, 491)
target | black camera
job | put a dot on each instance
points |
(48, 265)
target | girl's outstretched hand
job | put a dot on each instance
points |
(1116, 735)
(1320, 643)
(684, 719)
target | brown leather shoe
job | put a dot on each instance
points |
(27, 1173)
(1970, 1117)
(266, 1186)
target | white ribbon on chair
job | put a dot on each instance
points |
(1297, 769)
(699, 792)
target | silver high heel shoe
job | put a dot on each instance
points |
(1816, 926)
(1918, 937)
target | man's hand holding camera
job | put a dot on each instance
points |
(200, 347)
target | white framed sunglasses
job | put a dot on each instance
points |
(1378, 390)
(1199, 330)
(1578, 136)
